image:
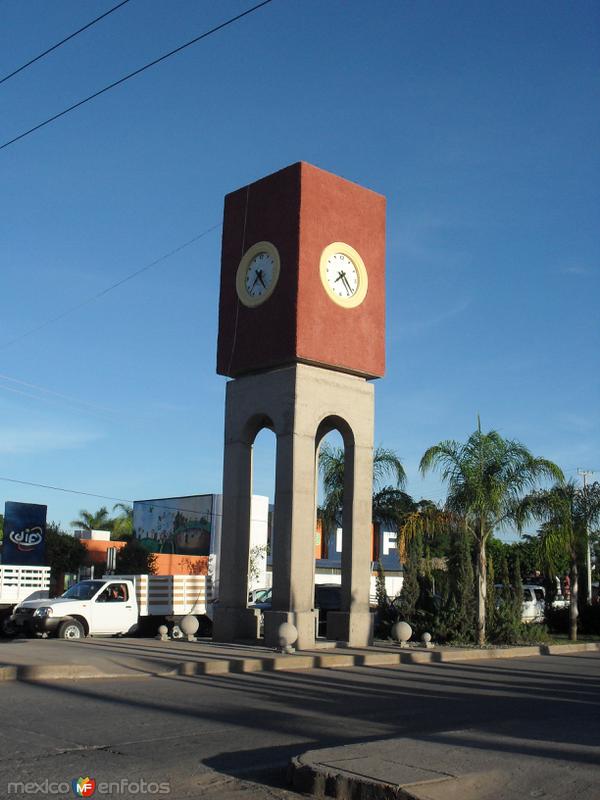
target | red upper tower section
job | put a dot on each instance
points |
(316, 243)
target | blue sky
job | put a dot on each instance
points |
(478, 121)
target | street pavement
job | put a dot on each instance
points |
(233, 735)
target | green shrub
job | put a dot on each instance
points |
(557, 620)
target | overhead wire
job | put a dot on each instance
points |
(135, 72)
(110, 288)
(52, 394)
(62, 41)
(120, 499)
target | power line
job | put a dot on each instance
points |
(53, 395)
(120, 499)
(61, 489)
(135, 72)
(66, 39)
(109, 288)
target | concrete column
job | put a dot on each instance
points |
(293, 539)
(354, 623)
(232, 619)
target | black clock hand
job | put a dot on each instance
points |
(345, 282)
(259, 275)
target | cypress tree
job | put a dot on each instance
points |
(508, 614)
(506, 591)
(409, 596)
(458, 615)
(490, 597)
(518, 589)
(380, 590)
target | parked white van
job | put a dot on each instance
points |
(534, 602)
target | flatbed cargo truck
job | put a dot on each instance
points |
(115, 605)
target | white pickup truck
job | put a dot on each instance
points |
(114, 605)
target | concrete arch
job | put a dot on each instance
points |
(254, 425)
(300, 403)
(333, 422)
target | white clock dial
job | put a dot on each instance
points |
(259, 275)
(342, 275)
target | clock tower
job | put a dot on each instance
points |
(301, 330)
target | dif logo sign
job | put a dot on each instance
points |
(24, 534)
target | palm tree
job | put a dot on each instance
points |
(566, 513)
(386, 465)
(123, 524)
(100, 521)
(486, 477)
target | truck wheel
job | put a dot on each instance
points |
(71, 629)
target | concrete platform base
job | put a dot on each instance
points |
(54, 659)
(231, 624)
(353, 627)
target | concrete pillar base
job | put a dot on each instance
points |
(353, 627)
(305, 622)
(230, 624)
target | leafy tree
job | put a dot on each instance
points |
(386, 465)
(134, 559)
(486, 476)
(391, 505)
(425, 519)
(98, 521)
(64, 553)
(566, 513)
(255, 557)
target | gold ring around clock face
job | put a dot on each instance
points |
(343, 275)
(257, 274)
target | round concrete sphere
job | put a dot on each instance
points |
(287, 634)
(426, 638)
(401, 631)
(163, 630)
(189, 625)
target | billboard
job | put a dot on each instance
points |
(384, 547)
(178, 525)
(24, 540)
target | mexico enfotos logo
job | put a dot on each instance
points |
(89, 787)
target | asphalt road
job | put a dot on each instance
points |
(232, 736)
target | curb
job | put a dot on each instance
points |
(320, 782)
(31, 673)
(298, 661)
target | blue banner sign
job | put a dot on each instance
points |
(24, 534)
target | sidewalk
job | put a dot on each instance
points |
(450, 765)
(52, 659)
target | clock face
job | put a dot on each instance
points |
(343, 275)
(257, 274)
